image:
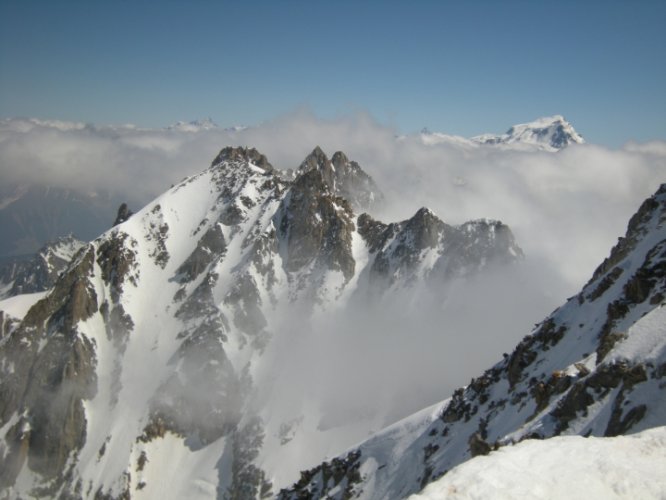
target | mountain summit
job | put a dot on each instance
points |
(551, 133)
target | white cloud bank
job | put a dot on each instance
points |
(566, 209)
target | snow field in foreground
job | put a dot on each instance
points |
(565, 467)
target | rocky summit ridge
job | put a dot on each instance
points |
(40, 272)
(159, 348)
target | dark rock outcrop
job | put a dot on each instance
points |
(344, 178)
(243, 155)
(40, 272)
(316, 226)
(48, 383)
(211, 246)
(123, 214)
(400, 248)
(203, 398)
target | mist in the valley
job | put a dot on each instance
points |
(382, 360)
(566, 210)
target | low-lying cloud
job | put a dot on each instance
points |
(565, 208)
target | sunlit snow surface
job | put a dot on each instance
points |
(19, 305)
(567, 467)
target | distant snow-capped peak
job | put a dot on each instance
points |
(550, 133)
(193, 126)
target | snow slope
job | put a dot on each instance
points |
(623, 467)
(18, 305)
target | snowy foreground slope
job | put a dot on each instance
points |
(171, 357)
(594, 367)
(623, 467)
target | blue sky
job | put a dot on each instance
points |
(455, 67)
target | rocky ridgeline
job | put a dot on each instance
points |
(159, 322)
(400, 248)
(590, 368)
(39, 273)
(48, 371)
(344, 178)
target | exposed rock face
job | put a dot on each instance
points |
(155, 334)
(636, 230)
(596, 366)
(53, 372)
(316, 226)
(340, 475)
(117, 261)
(124, 213)
(202, 399)
(248, 480)
(41, 272)
(211, 245)
(477, 445)
(344, 178)
(246, 155)
(401, 249)
(7, 324)
(244, 298)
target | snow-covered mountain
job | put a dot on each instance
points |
(171, 358)
(193, 126)
(550, 133)
(594, 367)
(39, 273)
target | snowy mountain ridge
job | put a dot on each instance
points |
(39, 273)
(594, 367)
(173, 341)
(550, 133)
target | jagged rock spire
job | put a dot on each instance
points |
(344, 178)
(243, 154)
(124, 213)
